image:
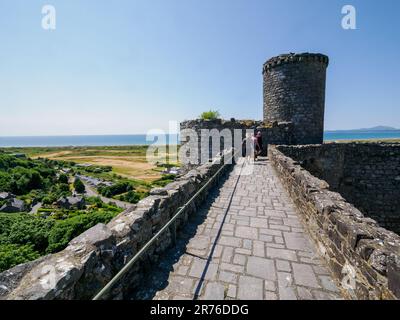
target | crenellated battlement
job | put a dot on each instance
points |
(295, 58)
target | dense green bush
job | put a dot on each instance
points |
(25, 237)
(23, 180)
(20, 176)
(14, 254)
(164, 180)
(95, 201)
(63, 178)
(25, 229)
(131, 197)
(210, 115)
(5, 180)
(48, 200)
(97, 169)
(118, 188)
(65, 230)
(79, 186)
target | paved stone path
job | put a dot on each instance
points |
(253, 247)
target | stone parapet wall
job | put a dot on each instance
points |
(365, 174)
(94, 257)
(362, 255)
(272, 133)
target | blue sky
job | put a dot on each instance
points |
(120, 67)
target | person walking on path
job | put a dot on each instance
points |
(248, 147)
(258, 146)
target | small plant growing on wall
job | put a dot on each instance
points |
(210, 115)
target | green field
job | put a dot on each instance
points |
(127, 161)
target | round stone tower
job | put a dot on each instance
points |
(294, 91)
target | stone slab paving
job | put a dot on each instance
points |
(252, 247)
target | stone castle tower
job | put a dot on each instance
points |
(294, 107)
(294, 91)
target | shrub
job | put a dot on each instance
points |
(98, 169)
(20, 176)
(23, 180)
(131, 197)
(210, 115)
(164, 180)
(4, 181)
(95, 201)
(79, 186)
(49, 199)
(63, 188)
(14, 254)
(65, 230)
(63, 178)
(24, 229)
(118, 188)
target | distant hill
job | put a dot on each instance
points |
(377, 128)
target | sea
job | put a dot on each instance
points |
(142, 139)
(361, 135)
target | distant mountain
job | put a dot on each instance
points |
(377, 128)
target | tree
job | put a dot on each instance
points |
(79, 186)
(115, 189)
(210, 115)
(131, 197)
(63, 188)
(63, 178)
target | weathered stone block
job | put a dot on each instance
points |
(99, 236)
(394, 275)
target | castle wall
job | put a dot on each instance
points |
(361, 254)
(294, 106)
(272, 133)
(365, 174)
(294, 91)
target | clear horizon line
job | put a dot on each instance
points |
(145, 134)
(82, 135)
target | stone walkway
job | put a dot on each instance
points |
(253, 247)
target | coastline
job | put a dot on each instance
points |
(387, 140)
(141, 140)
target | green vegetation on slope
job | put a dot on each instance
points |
(25, 237)
(14, 254)
(20, 176)
(32, 180)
